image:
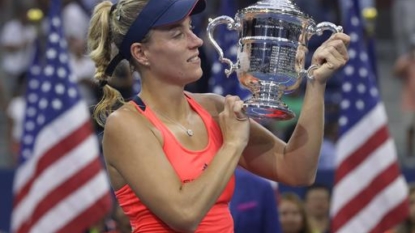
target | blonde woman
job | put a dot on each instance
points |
(171, 154)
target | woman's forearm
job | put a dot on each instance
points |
(303, 149)
(198, 197)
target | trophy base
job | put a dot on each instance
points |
(264, 111)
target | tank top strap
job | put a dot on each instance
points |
(203, 113)
(139, 104)
(148, 113)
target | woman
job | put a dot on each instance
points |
(292, 213)
(171, 154)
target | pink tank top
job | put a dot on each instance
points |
(188, 166)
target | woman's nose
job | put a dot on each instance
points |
(195, 40)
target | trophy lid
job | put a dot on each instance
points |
(286, 7)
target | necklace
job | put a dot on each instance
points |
(188, 131)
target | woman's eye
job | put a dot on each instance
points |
(177, 34)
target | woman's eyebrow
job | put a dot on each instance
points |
(171, 27)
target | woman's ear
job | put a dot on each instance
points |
(138, 52)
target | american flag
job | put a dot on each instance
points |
(60, 184)
(370, 193)
(228, 41)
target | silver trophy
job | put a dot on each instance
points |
(273, 38)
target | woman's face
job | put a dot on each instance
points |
(173, 53)
(290, 217)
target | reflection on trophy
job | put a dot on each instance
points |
(273, 38)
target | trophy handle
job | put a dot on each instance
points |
(323, 26)
(318, 30)
(231, 26)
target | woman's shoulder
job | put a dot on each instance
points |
(124, 119)
(123, 112)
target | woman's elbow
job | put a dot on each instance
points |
(302, 180)
(308, 181)
(184, 226)
(185, 221)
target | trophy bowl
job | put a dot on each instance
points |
(272, 48)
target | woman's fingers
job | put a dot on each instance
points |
(331, 55)
(234, 107)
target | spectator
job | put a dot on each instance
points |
(292, 214)
(403, 24)
(15, 116)
(317, 203)
(253, 205)
(75, 19)
(405, 70)
(17, 44)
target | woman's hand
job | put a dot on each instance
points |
(233, 122)
(330, 56)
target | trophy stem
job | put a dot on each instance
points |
(266, 103)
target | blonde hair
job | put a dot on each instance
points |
(107, 28)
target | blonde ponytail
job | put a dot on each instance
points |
(107, 27)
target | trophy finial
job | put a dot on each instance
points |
(287, 7)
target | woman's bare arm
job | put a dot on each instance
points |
(295, 162)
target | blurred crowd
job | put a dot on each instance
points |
(22, 27)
